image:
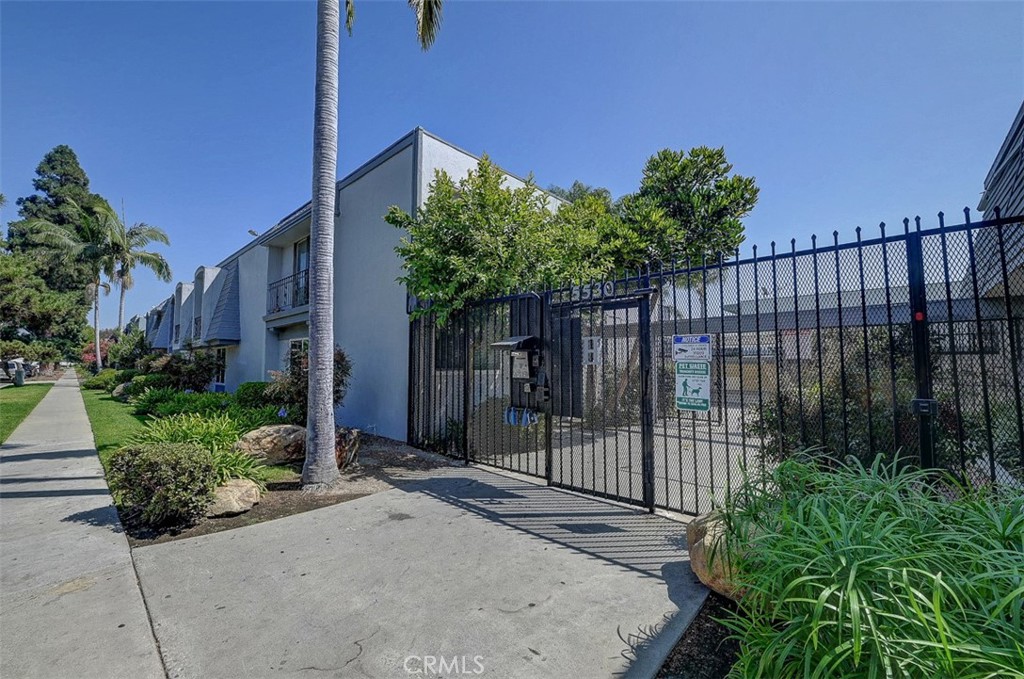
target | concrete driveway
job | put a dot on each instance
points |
(463, 572)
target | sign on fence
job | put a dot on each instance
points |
(691, 348)
(693, 386)
(692, 356)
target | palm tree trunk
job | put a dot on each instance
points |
(321, 469)
(120, 310)
(96, 326)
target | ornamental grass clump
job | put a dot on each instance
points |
(217, 434)
(880, 571)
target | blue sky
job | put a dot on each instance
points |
(198, 115)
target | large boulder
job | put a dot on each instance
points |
(275, 443)
(708, 558)
(234, 497)
(346, 446)
(118, 392)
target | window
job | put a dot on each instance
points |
(177, 333)
(222, 365)
(300, 261)
(296, 348)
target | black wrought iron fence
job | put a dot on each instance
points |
(660, 387)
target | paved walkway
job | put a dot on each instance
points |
(70, 600)
(501, 577)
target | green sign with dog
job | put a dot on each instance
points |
(693, 386)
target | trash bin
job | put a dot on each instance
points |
(19, 377)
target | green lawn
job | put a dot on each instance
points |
(113, 422)
(16, 403)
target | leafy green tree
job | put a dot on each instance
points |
(86, 241)
(689, 206)
(320, 470)
(28, 305)
(479, 237)
(579, 191)
(128, 253)
(62, 190)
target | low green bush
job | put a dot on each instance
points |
(125, 376)
(146, 402)
(163, 484)
(200, 403)
(254, 418)
(105, 380)
(141, 383)
(233, 464)
(879, 571)
(252, 394)
(214, 433)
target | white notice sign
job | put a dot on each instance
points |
(691, 347)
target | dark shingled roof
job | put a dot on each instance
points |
(224, 327)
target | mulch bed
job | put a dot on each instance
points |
(705, 651)
(381, 465)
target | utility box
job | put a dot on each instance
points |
(528, 385)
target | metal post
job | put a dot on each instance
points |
(646, 407)
(467, 383)
(547, 333)
(924, 405)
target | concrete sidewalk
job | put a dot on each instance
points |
(70, 600)
(500, 576)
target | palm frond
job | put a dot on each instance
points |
(142, 234)
(428, 20)
(155, 262)
(350, 15)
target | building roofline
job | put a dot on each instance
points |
(396, 147)
(1004, 155)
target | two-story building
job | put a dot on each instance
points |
(252, 307)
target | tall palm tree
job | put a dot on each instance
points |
(128, 253)
(320, 470)
(88, 240)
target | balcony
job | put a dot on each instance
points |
(288, 293)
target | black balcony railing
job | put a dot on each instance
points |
(288, 293)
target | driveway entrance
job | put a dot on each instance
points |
(499, 575)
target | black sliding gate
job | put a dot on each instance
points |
(906, 344)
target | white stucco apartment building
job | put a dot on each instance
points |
(253, 305)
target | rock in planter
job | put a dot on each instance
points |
(234, 497)
(708, 559)
(118, 392)
(275, 443)
(346, 446)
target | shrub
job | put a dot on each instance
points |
(105, 379)
(146, 402)
(125, 376)
(214, 432)
(875, 571)
(234, 464)
(127, 350)
(202, 403)
(190, 372)
(141, 383)
(252, 394)
(290, 388)
(254, 418)
(164, 484)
